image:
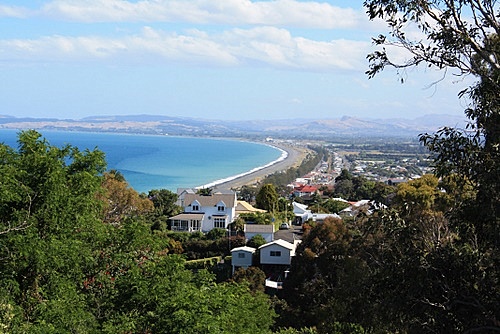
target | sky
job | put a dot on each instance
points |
(211, 59)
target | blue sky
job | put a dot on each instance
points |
(214, 59)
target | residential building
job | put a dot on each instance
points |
(305, 191)
(266, 231)
(300, 212)
(204, 212)
(303, 214)
(277, 252)
(245, 207)
(242, 257)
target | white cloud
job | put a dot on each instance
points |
(294, 13)
(265, 46)
(14, 11)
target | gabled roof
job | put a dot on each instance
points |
(339, 199)
(244, 249)
(182, 191)
(244, 207)
(323, 216)
(257, 228)
(211, 200)
(279, 242)
(361, 202)
(306, 189)
(299, 206)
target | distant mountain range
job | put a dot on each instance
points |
(285, 128)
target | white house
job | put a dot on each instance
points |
(366, 206)
(320, 217)
(302, 214)
(204, 212)
(242, 257)
(277, 252)
(266, 231)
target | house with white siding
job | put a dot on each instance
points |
(242, 257)
(204, 212)
(277, 252)
(303, 214)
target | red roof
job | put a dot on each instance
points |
(307, 189)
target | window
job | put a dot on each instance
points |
(219, 222)
(196, 225)
(241, 255)
(195, 207)
(275, 253)
(221, 208)
(179, 225)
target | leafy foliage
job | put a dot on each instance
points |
(121, 201)
(355, 188)
(50, 232)
(256, 241)
(267, 198)
(65, 269)
(403, 269)
(254, 276)
(456, 34)
(461, 35)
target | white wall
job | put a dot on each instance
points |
(241, 262)
(266, 258)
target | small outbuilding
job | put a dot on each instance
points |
(242, 257)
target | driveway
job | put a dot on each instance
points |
(293, 233)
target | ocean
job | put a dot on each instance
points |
(165, 162)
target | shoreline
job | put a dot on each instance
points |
(290, 157)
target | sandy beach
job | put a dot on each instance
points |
(295, 156)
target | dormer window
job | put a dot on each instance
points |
(195, 206)
(221, 206)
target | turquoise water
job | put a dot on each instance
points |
(163, 162)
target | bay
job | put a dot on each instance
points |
(165, 162)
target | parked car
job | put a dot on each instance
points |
(284, 226)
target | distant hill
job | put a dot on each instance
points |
(285, 128)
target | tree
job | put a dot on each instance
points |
(51, 230)
(326, 285)
(120, 200)
(334, 206)
(256, 241)
(205, 191)
(344, 175)
(457, 35)
(267, 198)
(164, 202)
(159, 296)
(247, 193)
(253, 276)
(216, 234)
(463, 36)
(344, 188)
